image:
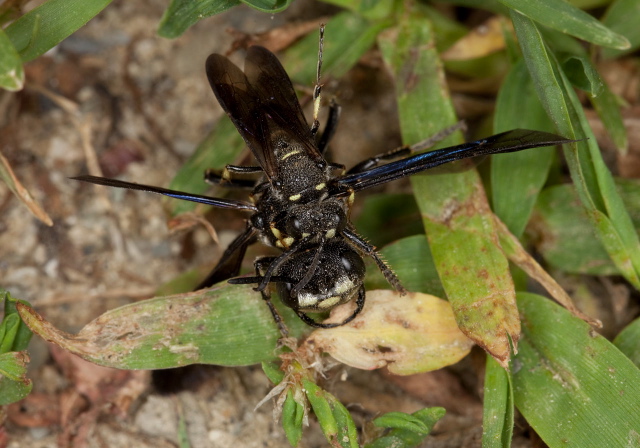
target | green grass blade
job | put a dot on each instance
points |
(517, 178)
(623, 17)
(268, 6)
(628, 341)
(181, 14)
(565, 235)
(573, 386)
(590, 175)
(562, 16)
(227, 325)
(44, 27)
(498, 410)
(14, 384)
(472, 267)
(11, 72)
(409, 433)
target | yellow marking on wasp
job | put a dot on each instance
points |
(352, 198)
(305, 234)
(288, 241)
(330, 233)
(321, 186)
(275, 231)
(279, 244)
(295, 197)
(329, 302)
(307, 301)
(289, 154)
(344, 285)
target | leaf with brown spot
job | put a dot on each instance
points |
(407, 334)
(225, 325)
(459, 224)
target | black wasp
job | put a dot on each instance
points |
(301, 202)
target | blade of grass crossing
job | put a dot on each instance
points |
(472, 267)
(593, 181)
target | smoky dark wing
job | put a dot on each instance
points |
(242, 103)
(216, 202)
(510, 141)
(231, 260)
(278, 97)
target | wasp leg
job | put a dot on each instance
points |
(277, 262)
(406, 150)
(218, 178)
(359, 305)
(259, 264)
(360, 244)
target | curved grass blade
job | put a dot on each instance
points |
(459, 224)
(628, 341)
(45, 26)
(181, 14)
(268, 6)
(582, 73)
(564, 17)
(590, 175)
(573, 386)
(623, 17)
(498, 409)
(517, 178)
(407, 430)
(11, 72)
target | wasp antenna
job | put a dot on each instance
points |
(317, 91)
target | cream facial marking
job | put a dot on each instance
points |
(295, 197)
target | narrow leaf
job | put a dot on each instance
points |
(227, 325)
(590, 175)
(403, 436)
(181, 14)
(628, 341)
(623, 17)
(562, 16)
(459, 224)
(14, 384)
(517, 178)
(45, 26)
(571, 384)
(11, 72)
(498, 410)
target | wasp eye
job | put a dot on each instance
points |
(293, 226)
